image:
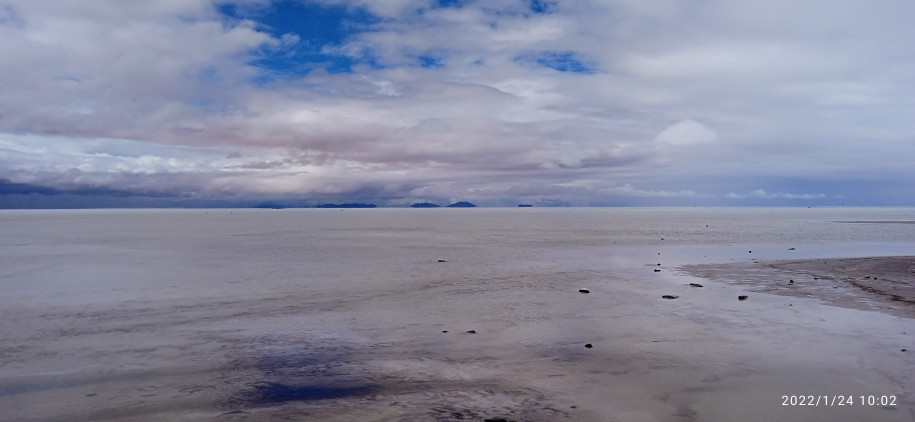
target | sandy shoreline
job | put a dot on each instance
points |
(885, 284)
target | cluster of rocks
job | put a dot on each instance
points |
(740, 297)
(671, 297)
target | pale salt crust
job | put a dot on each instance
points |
(314, 315)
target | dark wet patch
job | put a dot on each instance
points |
(686, 413)
(285, 359)
(281, 363)
(295, 370)
(277, 393)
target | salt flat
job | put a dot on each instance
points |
(349, 315)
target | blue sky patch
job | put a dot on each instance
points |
(450, 3)
(563, 61)
(317, 26)
(542, 6)
(430, 62)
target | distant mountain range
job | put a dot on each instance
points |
(352, 205)
(27, 195)
(461, 204)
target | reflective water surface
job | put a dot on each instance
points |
(320, 314)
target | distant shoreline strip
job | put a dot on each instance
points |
(876, 221)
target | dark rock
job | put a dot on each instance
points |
(791, 249)
(659, 264)
(472, 332)
(442, 260)
(657, 270)
(573, 407)
(742, 297)
(584, 291)
(790, 281)
(695, 285)
(496, 420)
(444, 331)
(902, 350)
(750, 252)
(669, 297)
(589, 345)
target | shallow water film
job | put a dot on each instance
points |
(451, 314)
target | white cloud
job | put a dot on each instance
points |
(762, 194)
(810, 89)
(687, 132)
(629, 190)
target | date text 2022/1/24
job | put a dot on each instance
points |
(837, 400)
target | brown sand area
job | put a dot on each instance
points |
(885, 284)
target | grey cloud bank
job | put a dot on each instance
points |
(497, 102)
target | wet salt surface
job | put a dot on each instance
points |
(328, 315)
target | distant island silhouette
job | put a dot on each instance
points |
(352, 205)
(525, 205)
(424, 205)
(462, 204)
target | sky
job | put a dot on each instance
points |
(497, 102)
